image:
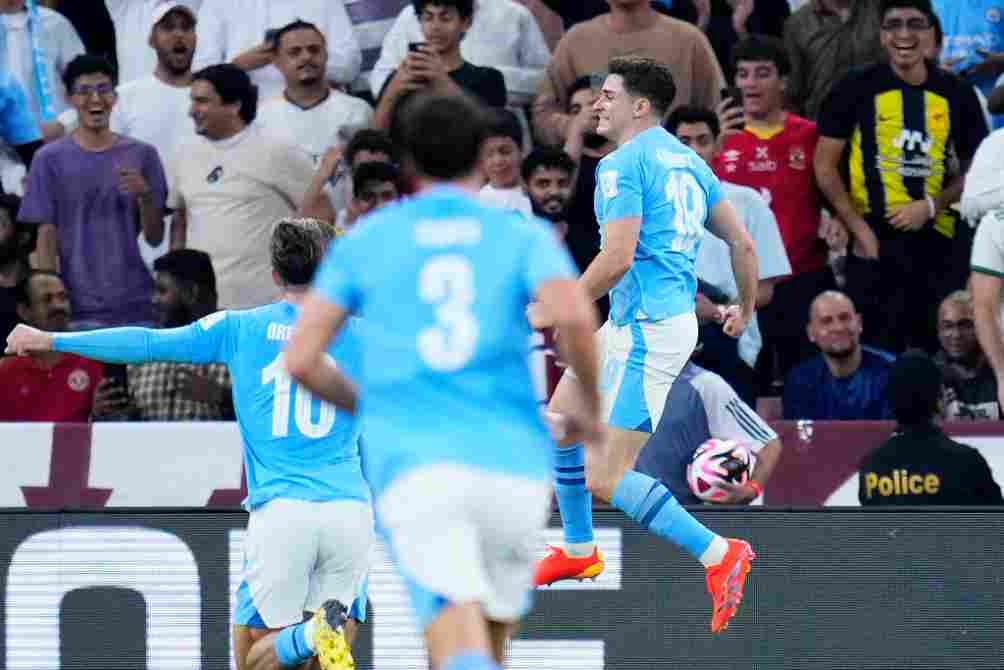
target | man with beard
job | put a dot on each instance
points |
(969, 383)
(548, 175)
(154, 108)
(184, 292)
(16, 242)
(309, 114)
(53, 386)
(846, 382)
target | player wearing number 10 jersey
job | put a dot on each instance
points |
(310, 529)
(456, 449)
(654, 199)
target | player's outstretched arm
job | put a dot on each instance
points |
(306, 356)
(113, 345)
(725, 224)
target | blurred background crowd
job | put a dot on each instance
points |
(149, 146)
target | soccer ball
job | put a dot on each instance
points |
(716, 461)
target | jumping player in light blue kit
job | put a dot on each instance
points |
(456, 449)
(310, 530)
(654, 199)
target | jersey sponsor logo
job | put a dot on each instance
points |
(913, 140)
(762, 153)
(79, 381)
(732, 155)
(796, 158)
(608, 183)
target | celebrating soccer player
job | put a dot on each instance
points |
(310, 530)
(654, 199)
(456, 450)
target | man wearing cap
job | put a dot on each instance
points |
(132, 20)
(184, 292)
(919, 465)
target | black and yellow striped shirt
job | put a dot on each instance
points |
(900, 136)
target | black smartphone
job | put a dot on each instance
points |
(735, 93)
(415, 46)
(118, 373)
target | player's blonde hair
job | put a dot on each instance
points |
(297, 247)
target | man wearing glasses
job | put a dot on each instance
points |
(901, 123)
(88, 193)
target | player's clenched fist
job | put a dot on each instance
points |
(24, 340)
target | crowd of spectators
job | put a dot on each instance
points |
(149, 146)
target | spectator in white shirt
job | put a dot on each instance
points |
(503, 35)
(231, 185)
(309, 114)
(501, 156)
(58, 43)
(132, 20)
(242, 32)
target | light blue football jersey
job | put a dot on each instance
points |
(295, 446)
(969, 25)
(656, 177)
(442, 282)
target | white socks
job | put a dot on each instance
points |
(715, 552)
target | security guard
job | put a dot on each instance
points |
(919, 465)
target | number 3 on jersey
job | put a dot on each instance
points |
(286, 392)
(448, 283)
(690, 209)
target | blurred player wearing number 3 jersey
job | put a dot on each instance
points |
(456, 450)
(654, 198)
(310, 525)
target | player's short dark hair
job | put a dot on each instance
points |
(762, 48)
(914, 388)
(375, 171)
(191, 266)
(693, 114)
(465, 8)
(86, 64)
(440, 133)
(22, 290)
(646, 78)
(923, 6)
(369, 139)
(546, 157)
(503, 123)
(297, 247)
(299, 24)
(232, 84)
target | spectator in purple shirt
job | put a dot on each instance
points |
(88, 193)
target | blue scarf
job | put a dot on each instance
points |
(39, 61)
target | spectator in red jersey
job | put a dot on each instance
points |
(51, 386)
(771, 151)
